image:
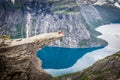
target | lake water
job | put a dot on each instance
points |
(59, 58)
(110, 33)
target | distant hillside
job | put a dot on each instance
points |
(105, 69)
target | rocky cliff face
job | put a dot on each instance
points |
(77, 19)
(105, 69)
(19, 62)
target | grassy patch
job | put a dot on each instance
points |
(53, 78)
(83, 42)
(85, 77)
(117, 54)
(96, 72)
(65, 7)
(18, 4)
(68, 75)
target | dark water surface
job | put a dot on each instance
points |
(59, 58)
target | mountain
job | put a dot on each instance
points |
(105, 69)
(77, 19)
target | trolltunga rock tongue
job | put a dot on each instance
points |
(18, 60)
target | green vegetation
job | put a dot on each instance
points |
(19, 30)
(84, 42)
(118, 54)
(18, 4)
(65, 12)
(84, 78)
(65, 7)
(96, 72)
(92, 30)
(54, 78)
(18, 27)
(71, 74)
(87, 42)
(5, 37)
(62, 5)
(93, 34)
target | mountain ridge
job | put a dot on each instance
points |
(77, 20)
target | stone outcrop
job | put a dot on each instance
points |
(105, 69)
(19, 62)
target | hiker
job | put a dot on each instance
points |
(3, 39)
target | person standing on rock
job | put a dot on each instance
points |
(3, 39)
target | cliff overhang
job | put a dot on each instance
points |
(18, 60)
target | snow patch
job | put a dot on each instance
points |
(117, 5)
(100, 2)
(13, 1)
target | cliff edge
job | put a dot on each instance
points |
(18, 60)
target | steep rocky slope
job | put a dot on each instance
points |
(77, 19)
(105, 69)
(19, 62)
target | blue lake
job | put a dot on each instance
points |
(59, 58)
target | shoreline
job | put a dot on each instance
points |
(89, 58)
